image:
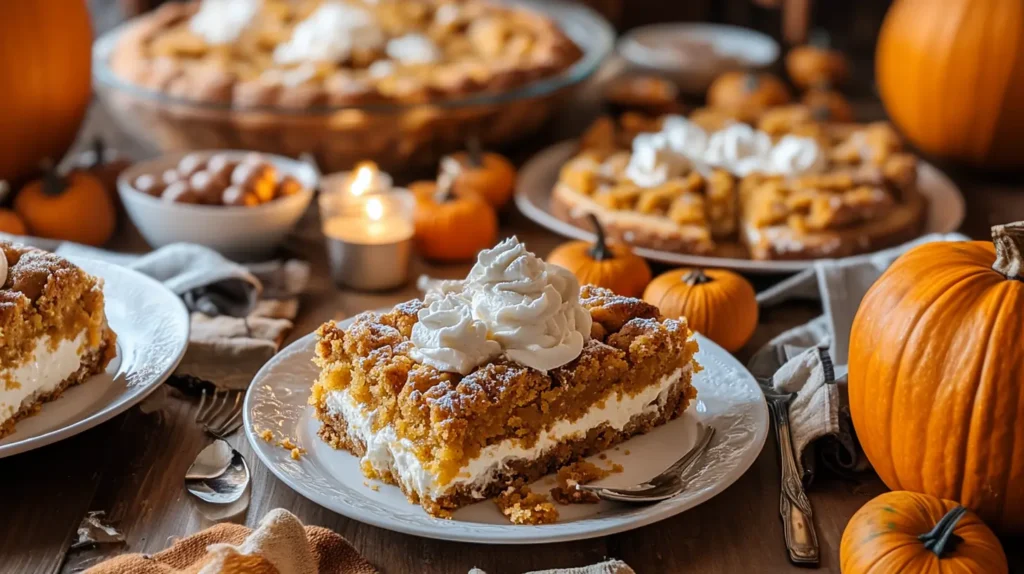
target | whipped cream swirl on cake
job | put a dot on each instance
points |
(448, 338)
(223, 21)
(330, 34)
(529, 308)
(737, 148)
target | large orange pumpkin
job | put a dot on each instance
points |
(45, 64)
(936, 377)
(952, 77)
(915, 533)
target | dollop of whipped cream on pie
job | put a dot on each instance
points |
(330, 34)
(737, 148)
(654, 161)
(413, 49)
(528, 308)
(223, 21)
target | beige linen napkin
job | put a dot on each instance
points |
(810, 360)
(279, 545)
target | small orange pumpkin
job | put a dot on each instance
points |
(489, 175)
(74, 207)
(915, 533)
(449, 227)
(828, 105)
(936, 364)
(816, 64)
(717, 303)
(747, 94)
(610, 265)
(11, 223)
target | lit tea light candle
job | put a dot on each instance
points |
(369, 238)
(365, 179)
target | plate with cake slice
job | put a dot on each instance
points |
(470, 414)
(769, 196)
(74, 350)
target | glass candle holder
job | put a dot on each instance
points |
(369, 238)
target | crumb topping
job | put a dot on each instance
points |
(523, 506)
(581, 472)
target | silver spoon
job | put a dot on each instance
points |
(219, 474)
(664, 486)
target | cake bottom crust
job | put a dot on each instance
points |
(334, 431)
(92, 363)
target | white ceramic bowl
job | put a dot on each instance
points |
(644, 49)
(241, 233)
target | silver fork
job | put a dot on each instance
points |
(794, 506)
(222, 416)
(664, 486)
(219, 475)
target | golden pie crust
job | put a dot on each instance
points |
(484, 47)
(865, 199)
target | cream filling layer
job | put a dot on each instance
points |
(385, 452)
(42, 374)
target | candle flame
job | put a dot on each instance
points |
(374, 209)
(363, 178)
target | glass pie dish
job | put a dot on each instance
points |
(396, 136)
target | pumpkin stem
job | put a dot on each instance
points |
(941, 538)
(696, 277)
(600, 251)
(820, 38)
(53, 184)
(751, 81)
(475, 151)
(446, 180)
(99, 148)
(1009, 242)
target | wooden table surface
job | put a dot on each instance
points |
(132, 466)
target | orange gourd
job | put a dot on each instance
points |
(45, 63)
(610, 265)
(936, 378)
(816, 64)
(11, 223)
(914, 533)
(449, 227)
(489, 175)
(952, 79)
(75, 208)
(747, 94)
(717, 303)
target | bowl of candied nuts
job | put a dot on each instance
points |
(242, 204)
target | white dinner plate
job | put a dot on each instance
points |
(151, 324)
(538, 176)
(728, 398)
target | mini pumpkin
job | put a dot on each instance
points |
(916, 533)
(747, 94)
(489, 175)
(450, 227)
(610, 265)
(936, 362)
(74, 207)
(11, 223)
(828, 105)
(717, 303)
(816, 64)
